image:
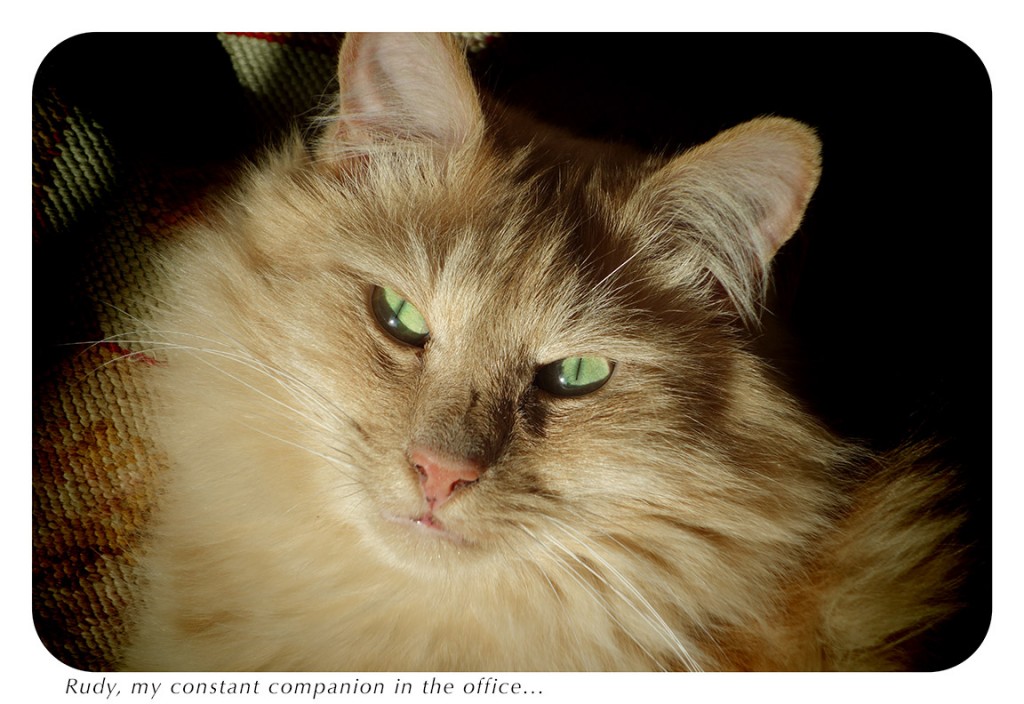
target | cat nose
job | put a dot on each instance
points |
(442, 475)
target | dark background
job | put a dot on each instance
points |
(887, 288)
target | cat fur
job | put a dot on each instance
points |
(687, 515)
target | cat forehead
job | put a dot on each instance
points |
(473, 280)
(479, 245)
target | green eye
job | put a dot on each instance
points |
(398, 317)
(574, 376)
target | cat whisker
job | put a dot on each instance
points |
(149, 340)
(296, 387)
(119, 357)
(697, 621)
(648, 612)
(571, 571)
(335, 462)
(312, 393)
(573, 575)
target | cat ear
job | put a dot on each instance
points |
(403, 88)
(738, 199)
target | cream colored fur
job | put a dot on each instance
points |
(687, 515)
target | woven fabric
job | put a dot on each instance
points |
(92, 480)
(109, 182)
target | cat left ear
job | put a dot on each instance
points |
(738, 198)
(403, 88)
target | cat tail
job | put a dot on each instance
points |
(894, 570)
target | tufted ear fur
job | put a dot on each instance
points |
(411, 89)
(734, 201)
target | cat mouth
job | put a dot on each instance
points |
(428, 525)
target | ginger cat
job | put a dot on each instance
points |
(451, 390)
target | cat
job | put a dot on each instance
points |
(453, 390)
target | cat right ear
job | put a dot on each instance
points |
(402, 90)
(732, 203)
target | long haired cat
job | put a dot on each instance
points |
(450, 390)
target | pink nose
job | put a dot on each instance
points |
(441, 475)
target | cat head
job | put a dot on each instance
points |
(486, 352)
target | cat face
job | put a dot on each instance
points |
(510, 341)
(474, 354)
